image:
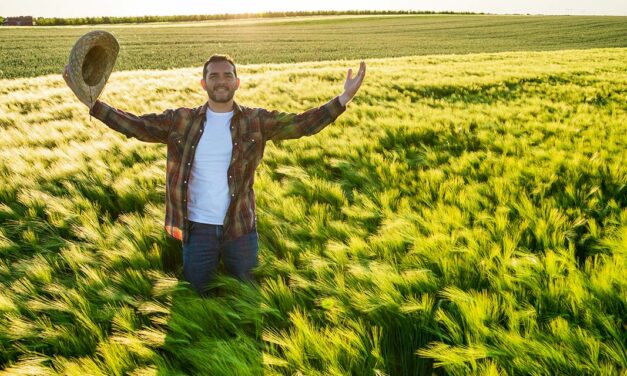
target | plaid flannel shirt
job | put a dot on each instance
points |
(180, 130)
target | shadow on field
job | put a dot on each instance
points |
(488, 93)
(414, 142)
(215, 335)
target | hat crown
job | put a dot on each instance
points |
(90, 64)
(93, 70)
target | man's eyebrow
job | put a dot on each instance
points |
(215, 74)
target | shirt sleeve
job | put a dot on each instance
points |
(148, 128)
(284, 125)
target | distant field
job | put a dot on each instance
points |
(28, 52)
(467, 213)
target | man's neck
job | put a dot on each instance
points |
(219, 106)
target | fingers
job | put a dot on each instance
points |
(362, 70)
(360, 74)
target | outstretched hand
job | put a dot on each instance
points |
(352, 84)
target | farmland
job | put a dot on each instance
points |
(35, 51)
(467, 214)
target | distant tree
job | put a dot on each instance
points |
(1, 20)
(186, 18)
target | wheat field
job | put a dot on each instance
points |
(41, 50)
(465, 215)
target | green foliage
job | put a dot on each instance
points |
(466, 215)
(276, 40)
(43, 21)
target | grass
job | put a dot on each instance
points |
(36, 51)
(466, 215)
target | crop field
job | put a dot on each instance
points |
(35, 51)
(467, 214)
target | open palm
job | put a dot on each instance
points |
(352, 84)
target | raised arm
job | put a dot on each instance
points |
(283, 125)
(148, 128)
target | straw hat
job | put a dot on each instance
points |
(91, 62)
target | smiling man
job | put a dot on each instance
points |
(212, 153)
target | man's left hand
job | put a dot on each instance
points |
(352, 84)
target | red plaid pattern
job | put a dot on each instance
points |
(180, 130)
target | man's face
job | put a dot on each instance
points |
(220, 81)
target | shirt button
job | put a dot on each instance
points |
(236, 143)
(201, 130)
(230, 176)
(233, 195)
(179, 141)
(188, 163)
(192, 146)
(185, 182)
(253, 140)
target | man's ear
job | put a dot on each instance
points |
(203, 84)
(237, 85)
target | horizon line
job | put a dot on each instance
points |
(289, 13)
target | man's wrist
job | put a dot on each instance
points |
(344, 99)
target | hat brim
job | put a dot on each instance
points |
(90, 64)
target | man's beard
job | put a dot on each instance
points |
(214, 97)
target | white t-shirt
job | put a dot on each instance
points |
(208, 191)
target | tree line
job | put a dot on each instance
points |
(59, 21)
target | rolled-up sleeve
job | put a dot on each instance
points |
(148, 128)
(284, 125)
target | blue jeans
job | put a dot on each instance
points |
(201, 255)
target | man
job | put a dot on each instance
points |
(212, 154)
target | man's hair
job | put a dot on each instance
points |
(215, 58)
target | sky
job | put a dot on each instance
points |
(84, 8)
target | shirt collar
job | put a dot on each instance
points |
(236, 108)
